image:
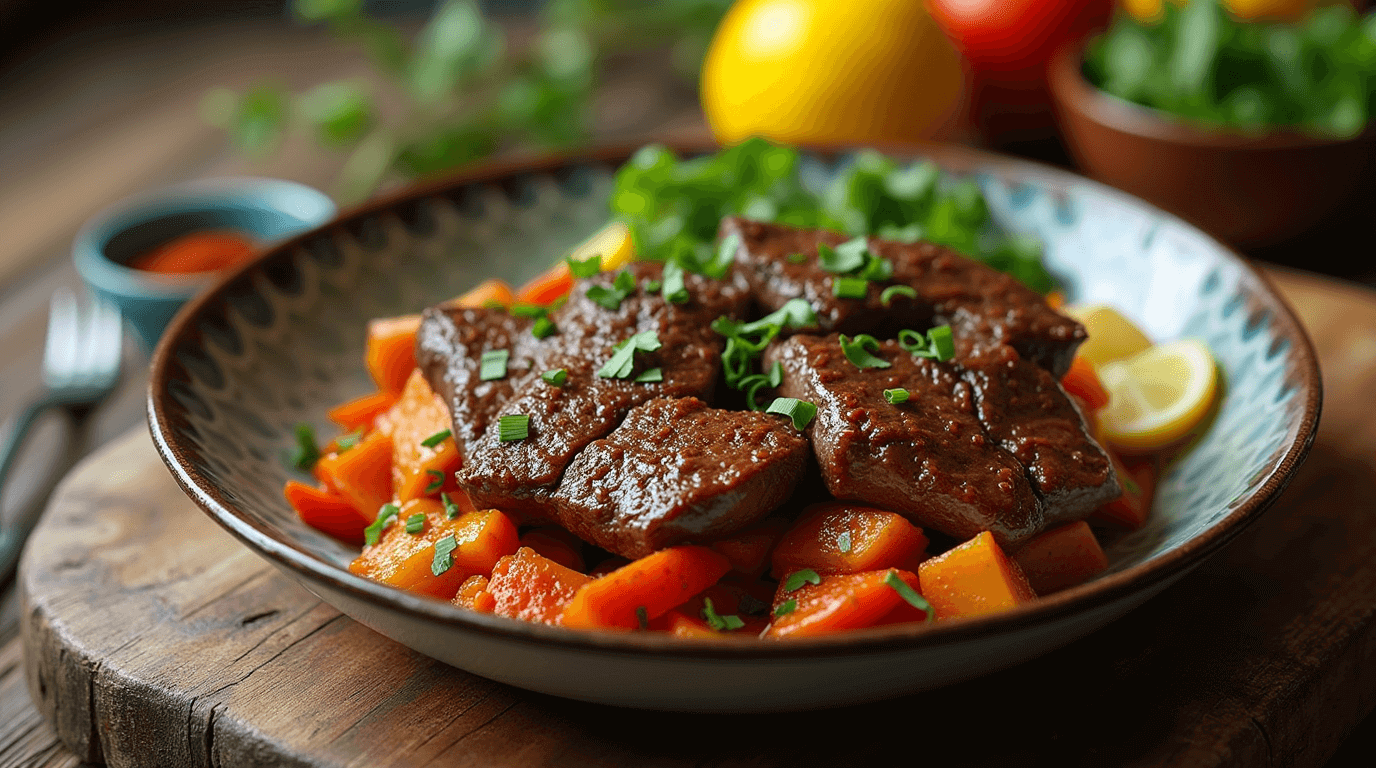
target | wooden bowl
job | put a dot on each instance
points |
(1245, 188)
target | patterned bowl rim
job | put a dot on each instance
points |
(1302, 374)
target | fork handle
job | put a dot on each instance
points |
(14, 533)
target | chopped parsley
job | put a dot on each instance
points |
(801, 411)
(436, 439)
(556, 377)
(611, 298)
(673, 288)
(586, 267)
(717, 621)
(513, 426)
(306, 452)
(415, 523)
(493, 365)
(384, 516)
(797, 579)
(622, 361)
(444, 555)
(887, 296)
(909, 595)
(896, 396)
(860, 351)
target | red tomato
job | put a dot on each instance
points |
(1016, 35)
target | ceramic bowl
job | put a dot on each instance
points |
(282, 340)
(267, 210)
(1246, 188)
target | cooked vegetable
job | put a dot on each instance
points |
(473, 595)
(973, 578)
(1083, 384)
(840, 537)
(837, 603)
(488, 293)
(1062, 557)
(362, 474)
(416, 419)
(326, 511)
(391, 351)
(1138, 477)
(360, 412)
(531, 587)
(655, 583)
(479, 540)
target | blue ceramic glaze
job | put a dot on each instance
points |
(266, 209)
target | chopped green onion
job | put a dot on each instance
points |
(651, 376)
(886, 298)
(877, 269)
(543, 328)
(415, 523)
(786, 607)
(942, 342)
(513, 426)
(585, 268)
(860, 351)
(374, 530)
(435, 484)
(843, 541)
(909, 595)
(642, 617)
(436, 439)
(653, 286)
(801, 411)
(724, 257)
(844, 258)
(493, 304)
(849, 287)
(345, 442)
(624, 281)
(623, 355)
(718, 622)
(937, 344)
(493, 365)
(799, 578)
(797, 258)
(674, 290)
(306, 452)
(556, 377)
(444, 555)
(451, 510)
(527, 310)
(896, 396)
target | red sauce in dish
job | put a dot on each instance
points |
(207, 251)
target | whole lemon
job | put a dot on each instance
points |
(830, 72)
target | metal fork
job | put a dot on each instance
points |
(80, 368)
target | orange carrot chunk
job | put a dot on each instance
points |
(838, 537)
(720, 611)
(547, 288)
(326, 511)
(441, 553)
(424, 457)
(837, 602)
(531, 587)
(556, 544)
(644, 589)
(473, 594)
(972, 579)
(489, 293)
(1082, 381)
(749, 549)
(1130, 510)
(1061, 557)
(362, 474)
(360, 412)
(390, 354)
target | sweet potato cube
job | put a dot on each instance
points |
(474, 596)
(390, 354)
(645, 589)
(973, 579)
(838, 537)
(410, 561)
(417, 418)
(839, 602)
(362, 474)
(531, 587)
(1062, 557)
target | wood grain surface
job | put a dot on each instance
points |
(151, 637)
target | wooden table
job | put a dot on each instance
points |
(71, 143)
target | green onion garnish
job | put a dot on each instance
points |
(623, 355)
(844, 258)
(513, 426)
(843, 541)
(799, 578)
(877, 269)
(436, 483)
(886, 298)
(651, 376)
(849, 287)
(384, 515)
(801, 411)
(585, 268)
(786, 607)
(345, 442)
(896, 396)
(860, 351)
(543, 328)
(306, 452)
(674, 289)
(653, 286)
(642, 617)
(444, 555)
(493, 365)
(556, 377)
(909, 595)
(716, 621)
(937, 344)
(527, 310)
(415, 523)
(942, 342)
(436, 439)
(724, 257)
(451, 510)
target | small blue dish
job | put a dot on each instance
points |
(267, 210)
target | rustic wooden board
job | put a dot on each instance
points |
(153, 638)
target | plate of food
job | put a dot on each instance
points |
(758, 429)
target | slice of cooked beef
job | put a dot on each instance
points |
(985, 307)
(677, 472)
(520, 476)
(1026, 412)
(927, 458)
(449, 348)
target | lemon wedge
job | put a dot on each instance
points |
(1111, 336)
(612, 243)
(1159, 395)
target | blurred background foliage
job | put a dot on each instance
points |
(459, 84)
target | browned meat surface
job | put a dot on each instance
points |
(677, 471)
(985, 307)
(1026, 412)
(520, 476)
(927, 459)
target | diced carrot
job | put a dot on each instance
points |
(690, 619)
(556, 544)
(749, 550)
(838, 537)
(473, 594)
(361, 474)
(326, 511)
(645, 588)
(391, 351)
(973, 578)
(488, 293)
(839, 602)
(360, 412)
(1130, 510)
(407, 560)
(1061, 557)
(546, 288)
(418, 417)
(1082, 381)
(531, 587)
